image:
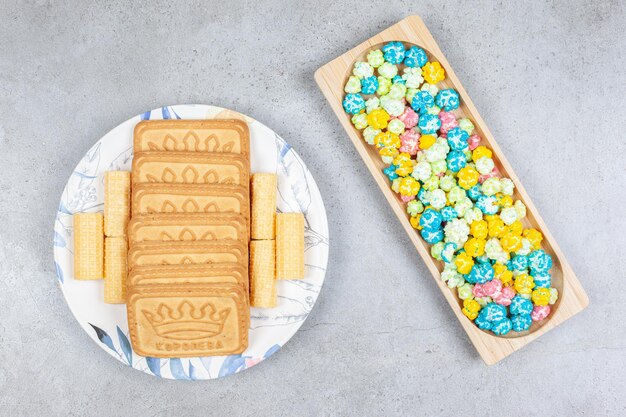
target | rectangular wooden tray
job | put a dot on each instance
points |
(572, 298)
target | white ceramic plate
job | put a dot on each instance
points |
(269, 328)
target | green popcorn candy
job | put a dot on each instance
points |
(384, 84)
(372, 104)
(432, 183)
(447, 182)
(414, 207)
(465, 291)
(376, 58)
(353, 85)
(435, 251)
(410, 93)
(359, 121)
(421, 171)
(456, 194)
(369, 135)
(467, 125)
(388, 70)
(362, 69)
(397, 91)
(439, 167)
(491, 186)
(396, 126)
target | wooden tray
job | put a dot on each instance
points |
(331, 79)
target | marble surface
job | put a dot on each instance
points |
(548, 78)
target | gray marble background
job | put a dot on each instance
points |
(549, 79)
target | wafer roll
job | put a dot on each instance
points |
(115, 270)
(88, 246)
(262, 273)
(263, 190)
(116, 202)
(289, 246)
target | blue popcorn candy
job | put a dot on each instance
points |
(456, 161)
(369, 85)
(394, 52)
(482, 322)
(448, 252)
(353, 103)
(415, 57)
(432, 236)
(543, 280)
(457, 139)
(398, 80)
(518, 263)
(521, 322)
(431, 219)
(448, 213)
(521, 305)
(539, 261)
(487, 204)
(422, 101)
(492, 312)
(447, 99)
(481, 273)
(429, 124)
(475, 192)
(422, 195)
(390, 172)
(501, 326)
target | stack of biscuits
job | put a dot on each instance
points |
(187, 287)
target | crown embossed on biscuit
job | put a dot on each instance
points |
(186, 322)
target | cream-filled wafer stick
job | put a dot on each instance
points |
(116, 202)
(115, 270)
(262, 273)
(289, 246)
(88, 246)
(263, 190)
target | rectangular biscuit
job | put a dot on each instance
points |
(191, 168)
(187, 227)
(190, 198)
(263, 201)
(218, 135)
(289, 246)
(182, 275)
(115, 270)
(173, 322)
(88, 246)
(262, 273)
(116, 202)
(175, 253)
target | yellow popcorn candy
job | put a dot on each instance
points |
(426, 141)
(388, 151)
(409, 187)
(464, 263)
(468, 177)
(387, 140)
(433, 73)
(479, 229)
(471, 308)
(510, 242)
(541, 296)
(524, 284)
(504, 200)
(515, 228)
(415, 222)
(378, 119)
(481, 151)
(534, 236)
(496, 226)
(475, 247)
(404, 164)
(503, 274)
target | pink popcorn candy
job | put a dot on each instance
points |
(492, 288)
(493, 173)
(505, 296)
(448, 121)
(410, 142)
(407, 198)
(473, 142)
(540, 312)
(409, 118)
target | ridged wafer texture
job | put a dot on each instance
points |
(263, 273)
(192, 198)
(88, 246)
(187, 227)
(289, 246)
(115, 270)
(116, 202)
(182, 275)
(263, 199)
(175, 322)
(177, 253)
(191, 168)
(217, 135)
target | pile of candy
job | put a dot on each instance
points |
(452, 189)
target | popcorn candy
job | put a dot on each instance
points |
(359, 121)
(431, 219)
(414, 207)
(439, 167)
(404, 164)
(457, 231)
(518, 263)
(457, 138)
(387, 139)
(470, 308)
(521, 322)
(456, 280)
(413, 78)
(464, 263)
(447, 182)
(487, 204)
(462, 206)
(474, 192)
(483, 301)
(397, 91)
(506, 186)
(429, 124)
(375, 58)
(448, 252)
(482, 322)
(433, 72)
(465, 291)
(539, 261)
(408, 186)
(541, 296)
(543, 280)
(456, 194)
(362, 69)
(466, 125)
(507, 214)
(409, 118)
(505, 296)
(485, 165)
(468, 177)
(392, 106)
(437, 198)
(475, 247)
(496, 226)
(369, 85)
(503, 274)
(372, 103)
(520, 208)
(390, 172)
(480, 274)
(504, 200)
(502, 326)
(353, 103)
(448, 213)
(435, 251)
(395, 126)
(491, 186)
(456, 161)
(447, 99)
(539, 313)
(369, 134)
(431, 88)
(415, 57)
(394, 52)
(510, 242)
(387, 154)
(524, 284)
(431, 236)
(422, 100)
(426, 141)
(534, 237)
(554, 295)
(493, 250)
(473, 142)
(520, 305)
(388, 70)
(437, 152)
(493, 312)
(410, 142)
(473, 214)
(479, 229)
(353, 85)
(378, 119)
